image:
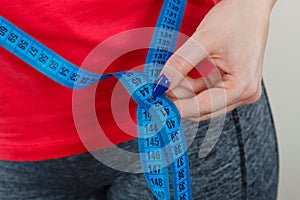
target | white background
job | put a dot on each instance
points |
(282, 78)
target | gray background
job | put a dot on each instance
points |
(281, 74)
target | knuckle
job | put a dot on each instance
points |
(256, 97)
(250, 91)
(238, 88)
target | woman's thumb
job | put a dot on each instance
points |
(179, 65)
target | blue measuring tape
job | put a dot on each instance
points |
(160, 131)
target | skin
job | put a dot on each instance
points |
(233, 35)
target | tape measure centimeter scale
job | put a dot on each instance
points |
(57, 68)
(165, 40)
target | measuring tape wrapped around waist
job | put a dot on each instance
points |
(160, 131)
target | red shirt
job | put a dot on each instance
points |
(36, 119)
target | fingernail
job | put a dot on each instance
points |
(161, 86)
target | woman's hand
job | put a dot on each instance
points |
(233, 34)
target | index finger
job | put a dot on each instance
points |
(183, 61)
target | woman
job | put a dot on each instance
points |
(42, 157)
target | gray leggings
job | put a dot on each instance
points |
(243, 165)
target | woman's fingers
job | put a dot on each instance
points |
(188, 88)
(195, 85)
(180, 93)
(216, 114)
(218, 100)
(183, 61)
(204, 103)
(227, 109)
